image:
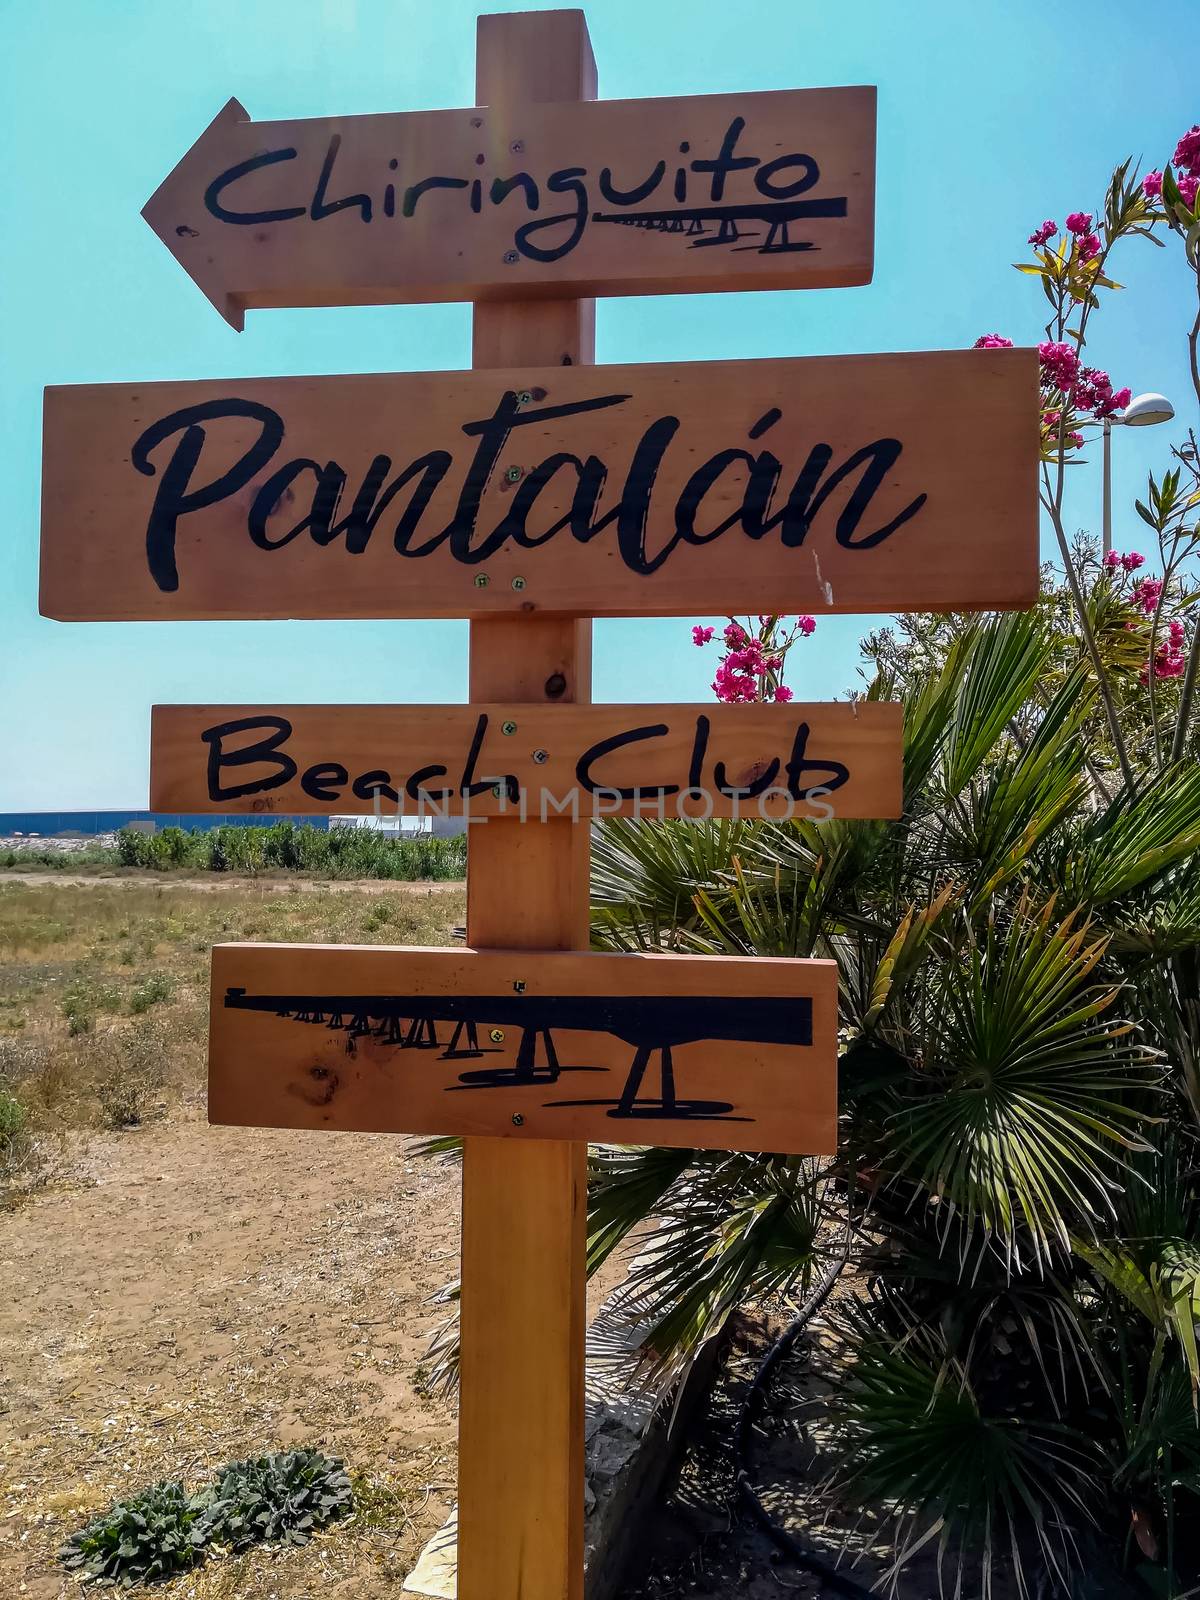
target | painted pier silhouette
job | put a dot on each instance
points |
(650, 1024)
(731, 220)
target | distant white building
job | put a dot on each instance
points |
(404, 826)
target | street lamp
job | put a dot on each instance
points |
(1143, 411)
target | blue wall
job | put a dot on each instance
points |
(48, 823)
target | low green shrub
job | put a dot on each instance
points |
(378, 916)
(155, 1535)
(13, 1122)
(84, 1000)
(153, 989)
(288, 847)
(277, 1498)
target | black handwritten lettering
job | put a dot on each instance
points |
(325, 208)
(375, 784)
(272, 494)
(630, 197)
(835, 773)
(249, 757)
(277, 729)
(742, 189)
(503, 187)
(733, 488)
(725, 161)
(414, 193)
(315, 782)
(763, 178)
(620, 741)
(244, 219)
(562, 182)
(415, 787)
(172, 500)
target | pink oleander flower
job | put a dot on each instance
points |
(734, 687)
(1051, 419)
(1152, 185)
(1112, 560)
(783, 694)
(1088, 247)
(734, 634)
(1060, 364)
(748, 660)
(1168, 663)
(1076, 439)
(1044, 234)
(1187, 189)
(992, 341)
(1145, 594)
(1080, 222)
(1176, 632)
(1131, 560)
(806, 625)
(1187, 152)
(702, 635)
(1094, 393)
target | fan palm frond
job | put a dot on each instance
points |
(731, 1226)
(1132, 843)
(1003, 663)
(991, 1489)
(1028, 1098)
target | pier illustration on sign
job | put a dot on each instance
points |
(731, 223)
(652, 1025)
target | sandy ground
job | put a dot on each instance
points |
(207, 1293)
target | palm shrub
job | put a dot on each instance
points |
(1016, 1180)
(1018, 1174)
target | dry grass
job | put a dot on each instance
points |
(177, 1295)
(104, 990)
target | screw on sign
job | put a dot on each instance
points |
(831, 484)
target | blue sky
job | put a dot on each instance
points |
(989, 120)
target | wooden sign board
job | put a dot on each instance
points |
(531, 761)
(851, 484)
(715, 1053)
(729, 191)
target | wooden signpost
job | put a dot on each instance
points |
(857, 483)
(530, 761)
(530, 495)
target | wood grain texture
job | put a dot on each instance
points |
(875, 483)
(737, 229)
(535, 761)
(523, 1307)
(732, 1053)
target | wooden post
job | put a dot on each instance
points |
(520, 1442)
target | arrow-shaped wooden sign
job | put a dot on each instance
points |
(609, 197)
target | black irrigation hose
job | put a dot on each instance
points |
(807, 1560)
